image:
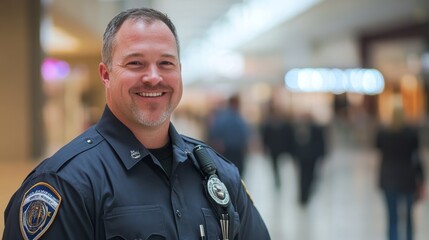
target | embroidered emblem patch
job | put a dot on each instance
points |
(38, 209)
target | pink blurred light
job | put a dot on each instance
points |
(54, 70)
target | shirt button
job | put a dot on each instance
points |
(178, 213)
(89, 141)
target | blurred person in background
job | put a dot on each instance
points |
(308, 152)
(229, 134)
(276, 137)
(400, 175)
(132, 175)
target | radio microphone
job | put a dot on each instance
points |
(217, 192)
(204, 160)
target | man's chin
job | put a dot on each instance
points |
(153, 122)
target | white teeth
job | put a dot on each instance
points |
(150, 94)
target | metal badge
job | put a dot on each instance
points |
(135, 154)
(217, 191)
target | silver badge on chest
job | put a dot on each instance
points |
(218, 191)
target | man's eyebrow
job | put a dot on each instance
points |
(167, 55)
(133, 55)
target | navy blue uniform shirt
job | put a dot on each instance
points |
(106, 185)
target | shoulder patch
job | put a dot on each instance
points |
(38, 210)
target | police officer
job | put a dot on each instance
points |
(131, 175)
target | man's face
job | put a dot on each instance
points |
(144, 83)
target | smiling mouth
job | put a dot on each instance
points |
(150, 94)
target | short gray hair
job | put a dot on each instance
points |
(146, 14)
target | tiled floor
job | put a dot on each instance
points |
(346, 204)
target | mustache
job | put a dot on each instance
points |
(150, 87)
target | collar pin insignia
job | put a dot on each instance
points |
(135, 154)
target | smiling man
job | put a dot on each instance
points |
(143, 79)
(132, 175)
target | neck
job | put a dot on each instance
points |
(152, 137)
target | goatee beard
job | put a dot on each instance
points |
(144, 117)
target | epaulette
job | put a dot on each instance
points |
(82, 143)
(198, 142)
(193, 140)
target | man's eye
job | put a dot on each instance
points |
(167, 63)
(134, 63)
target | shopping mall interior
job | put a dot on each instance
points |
(347, 64)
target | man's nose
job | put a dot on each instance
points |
(152, 74)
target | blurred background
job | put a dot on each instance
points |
(344, 64)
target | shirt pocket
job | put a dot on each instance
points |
(135, 223)
(212, 224)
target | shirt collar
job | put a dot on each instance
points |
(127, 146)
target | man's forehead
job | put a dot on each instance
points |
(135, 29)
(132, 40)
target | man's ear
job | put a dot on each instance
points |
(104, 73)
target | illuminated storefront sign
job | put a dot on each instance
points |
(365, 81)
